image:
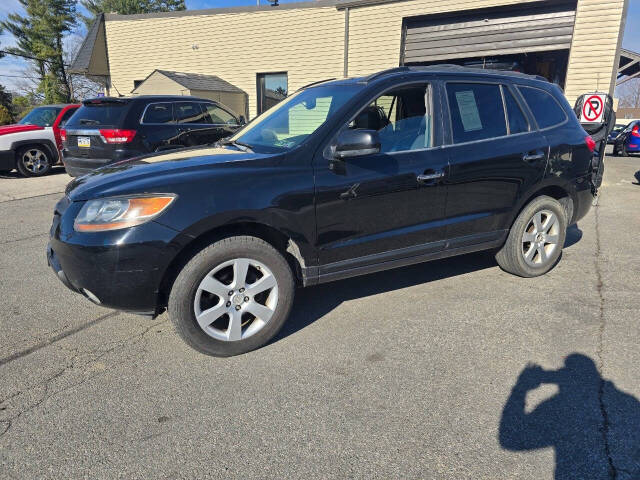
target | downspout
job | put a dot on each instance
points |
(346, 42)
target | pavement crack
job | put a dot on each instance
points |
(613, 474)
(57, 338)
(30, 237)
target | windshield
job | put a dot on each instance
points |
(41, 116)
(291, 121)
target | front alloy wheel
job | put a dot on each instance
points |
(33, 162)
(236, 299)
(232, 297)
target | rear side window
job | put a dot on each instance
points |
(217, 115)
(546, 110)
(517, 121)
(66, 116)
(103, 114)
(158, 113)
(476, 110)
(189, 112)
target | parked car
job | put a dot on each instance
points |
(32, 146)
(628, 141)
(342, 178)
(617, 128)
(106, 130)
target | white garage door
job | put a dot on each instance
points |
(498, 31)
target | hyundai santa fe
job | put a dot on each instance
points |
(342, 178)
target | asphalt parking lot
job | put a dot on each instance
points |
(420, 372)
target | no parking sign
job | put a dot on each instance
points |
(593, 108)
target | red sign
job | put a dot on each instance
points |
(592, 109)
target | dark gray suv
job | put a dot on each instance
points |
(106, 130)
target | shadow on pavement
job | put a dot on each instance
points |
(593, 427)
(14, 173)
(314, 302)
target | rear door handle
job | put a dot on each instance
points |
(533, 157)
(429, 176)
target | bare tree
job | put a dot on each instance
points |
(629, 94)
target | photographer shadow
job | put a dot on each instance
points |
(593, 427)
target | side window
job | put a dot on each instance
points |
(476, 110)
(189, 112)
(402, 117)
(158, 113)
(546, 109)
(517, 121)
(66, 116)
(217, 115)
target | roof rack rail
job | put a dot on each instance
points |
(315, 83)
(388, 71)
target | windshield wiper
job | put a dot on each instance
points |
(239, 145)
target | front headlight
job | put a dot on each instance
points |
(120, 212)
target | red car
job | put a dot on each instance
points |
(33, 145)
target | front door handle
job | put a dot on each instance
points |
(532, 157)
(429, 176)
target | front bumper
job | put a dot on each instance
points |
(121, 269)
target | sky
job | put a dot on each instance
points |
(12, 69)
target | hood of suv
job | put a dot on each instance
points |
(7, 129)
(156, 173)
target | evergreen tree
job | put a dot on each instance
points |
(39, 34)
(127, 7)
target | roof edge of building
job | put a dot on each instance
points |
(218, 11)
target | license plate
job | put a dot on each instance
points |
(84, 142)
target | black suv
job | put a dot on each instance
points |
(342, 178)
(106, 130)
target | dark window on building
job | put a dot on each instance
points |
(158, 113)
(272, 88)
(546, 109)
(189, 112)
(517, 121)
(218, 116)
(476, 110)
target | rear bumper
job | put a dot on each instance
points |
(7, 160)
(77, 166)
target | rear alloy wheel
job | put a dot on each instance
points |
(536, 239)
(33, 161)
(232, 297)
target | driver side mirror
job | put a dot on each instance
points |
(357, 143)
(242, 121)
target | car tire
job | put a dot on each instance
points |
(218, 312)
(33, 161)
(536, 238)
(623, 152)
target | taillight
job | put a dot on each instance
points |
(635, 131)
(117, 135)
(591, 145)
(63, 135)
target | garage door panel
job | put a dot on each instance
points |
(496, 31)
(480, 41)
(486, 53)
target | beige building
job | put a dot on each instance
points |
(268, 51)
